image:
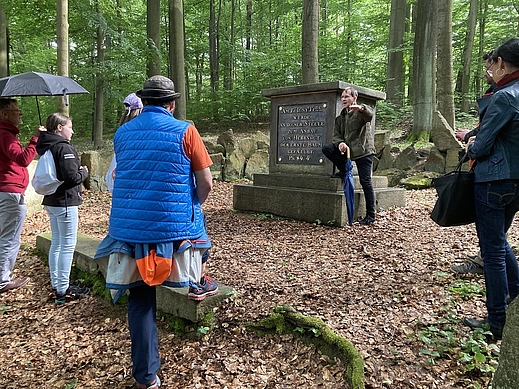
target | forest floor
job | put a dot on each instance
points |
(385, 287)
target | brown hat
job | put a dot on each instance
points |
(158, 88)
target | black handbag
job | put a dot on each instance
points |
(455, 203)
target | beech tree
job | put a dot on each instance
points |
(310, 34)
(467, 56)
(176, 55)
(424, 70)
(63, 48)
(395, 82)
(153, 32)
(99, 84)
(444, 81)
(3, 45)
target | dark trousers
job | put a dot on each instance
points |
(364, 168)
(142, 321)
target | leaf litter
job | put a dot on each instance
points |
(374, 285)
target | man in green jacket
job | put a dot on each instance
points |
(353, 130)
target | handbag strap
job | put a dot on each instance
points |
(464, 159)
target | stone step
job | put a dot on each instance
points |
(172, 301)
(311, 205)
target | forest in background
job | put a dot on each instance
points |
(233, 49)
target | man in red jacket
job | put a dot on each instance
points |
(14, 178)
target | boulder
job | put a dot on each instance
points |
(217, 166)
(376, 161)
(419, 181)
(382, 139)
(435, 161)
(248, 146)
(407, 159)
(234, 166)
(96, 174)
(226, 139)
(257, 163)
(442, 134)
(452, 160)
(213, 148)
(394, 176)
(262, 140)
(386, 159)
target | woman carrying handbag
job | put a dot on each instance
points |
(496, 186)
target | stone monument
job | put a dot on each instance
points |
(298, 185)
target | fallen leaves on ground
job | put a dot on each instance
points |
(375, 285)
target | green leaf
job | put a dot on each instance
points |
(480, 358)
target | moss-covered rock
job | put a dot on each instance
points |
(286, 320)
(420, 181)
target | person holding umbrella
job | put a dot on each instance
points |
(14, 178)
(353, 130)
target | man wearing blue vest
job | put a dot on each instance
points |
(162, 179)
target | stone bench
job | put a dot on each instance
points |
(172, 301)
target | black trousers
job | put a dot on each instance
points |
(364, 168)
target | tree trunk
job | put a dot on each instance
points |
(213, 46)
(411, 27)
(395, 62)
(99, 96)
(248, 38)
(467, 56)
(310, 71)
(444, 82)
(483, 11)
(63, 50)
(176, 55)
(229, 58)
(153, 35)
(424, 52)
(4, 64)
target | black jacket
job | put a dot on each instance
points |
(67, 169)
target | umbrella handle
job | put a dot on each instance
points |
(347, 152)
(65, 97)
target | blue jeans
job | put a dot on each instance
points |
(496, 204)
(12, 215)
(63, 224)
(142, 321)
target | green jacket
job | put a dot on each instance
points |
(355, 130)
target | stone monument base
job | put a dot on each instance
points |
(310, 198)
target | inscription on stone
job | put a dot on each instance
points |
(301, 133)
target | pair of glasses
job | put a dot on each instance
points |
(489, 72)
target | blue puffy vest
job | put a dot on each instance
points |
(154, 197)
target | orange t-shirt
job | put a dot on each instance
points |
(195, 149)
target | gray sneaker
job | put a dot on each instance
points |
(467, 267)
(476, 259)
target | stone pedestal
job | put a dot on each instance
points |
(298, 185)
(310, 198)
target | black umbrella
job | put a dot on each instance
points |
(39, 84)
